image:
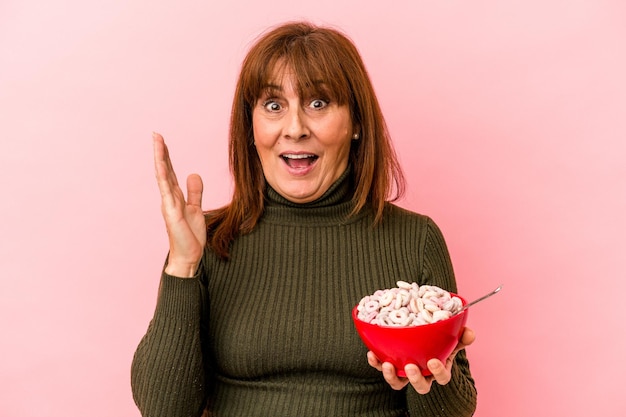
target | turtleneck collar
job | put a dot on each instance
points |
(333, 207)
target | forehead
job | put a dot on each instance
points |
(285, 78)
(280, 77)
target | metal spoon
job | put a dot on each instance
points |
(466, 306)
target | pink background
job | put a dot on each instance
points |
(509, 118)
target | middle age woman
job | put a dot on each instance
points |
(253, 313)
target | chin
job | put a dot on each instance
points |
(300, 197)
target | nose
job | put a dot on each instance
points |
(295, 127)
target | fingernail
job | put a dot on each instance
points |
(434, 366)
(411, 371)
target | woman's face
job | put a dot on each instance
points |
(303, 142)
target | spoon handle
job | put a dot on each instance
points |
(466, 306)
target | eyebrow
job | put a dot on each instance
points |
(271, 87)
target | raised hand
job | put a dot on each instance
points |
(441, 372)
(184, 219)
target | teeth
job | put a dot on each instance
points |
(298, 156)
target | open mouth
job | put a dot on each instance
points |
(299, 160)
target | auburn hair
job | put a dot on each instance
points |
(312, 54)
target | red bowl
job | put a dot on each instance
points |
(412, 344)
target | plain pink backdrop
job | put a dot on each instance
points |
(509, 118)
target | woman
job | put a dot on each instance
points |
(253, 313)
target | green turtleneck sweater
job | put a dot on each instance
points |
(269, 332)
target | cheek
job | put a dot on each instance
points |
(342, 140)
(256, 124)
(263, 145)
(264, 134)
(337, 134)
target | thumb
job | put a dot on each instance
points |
(194, 190)
(468, 337)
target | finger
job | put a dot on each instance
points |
(160, 166)
(441, 373)
(392, 378)
(373, 361)
(420, 383)
(170, 167)
(162, 162)
(194, 190)
(166, 178)
(160, 150)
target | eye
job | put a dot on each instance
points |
(318, 104)
(272, 106)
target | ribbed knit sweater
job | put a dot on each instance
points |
(269, 331)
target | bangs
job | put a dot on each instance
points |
(316, 70)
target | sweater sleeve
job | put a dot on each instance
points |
(458, 397)
(167, 375)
